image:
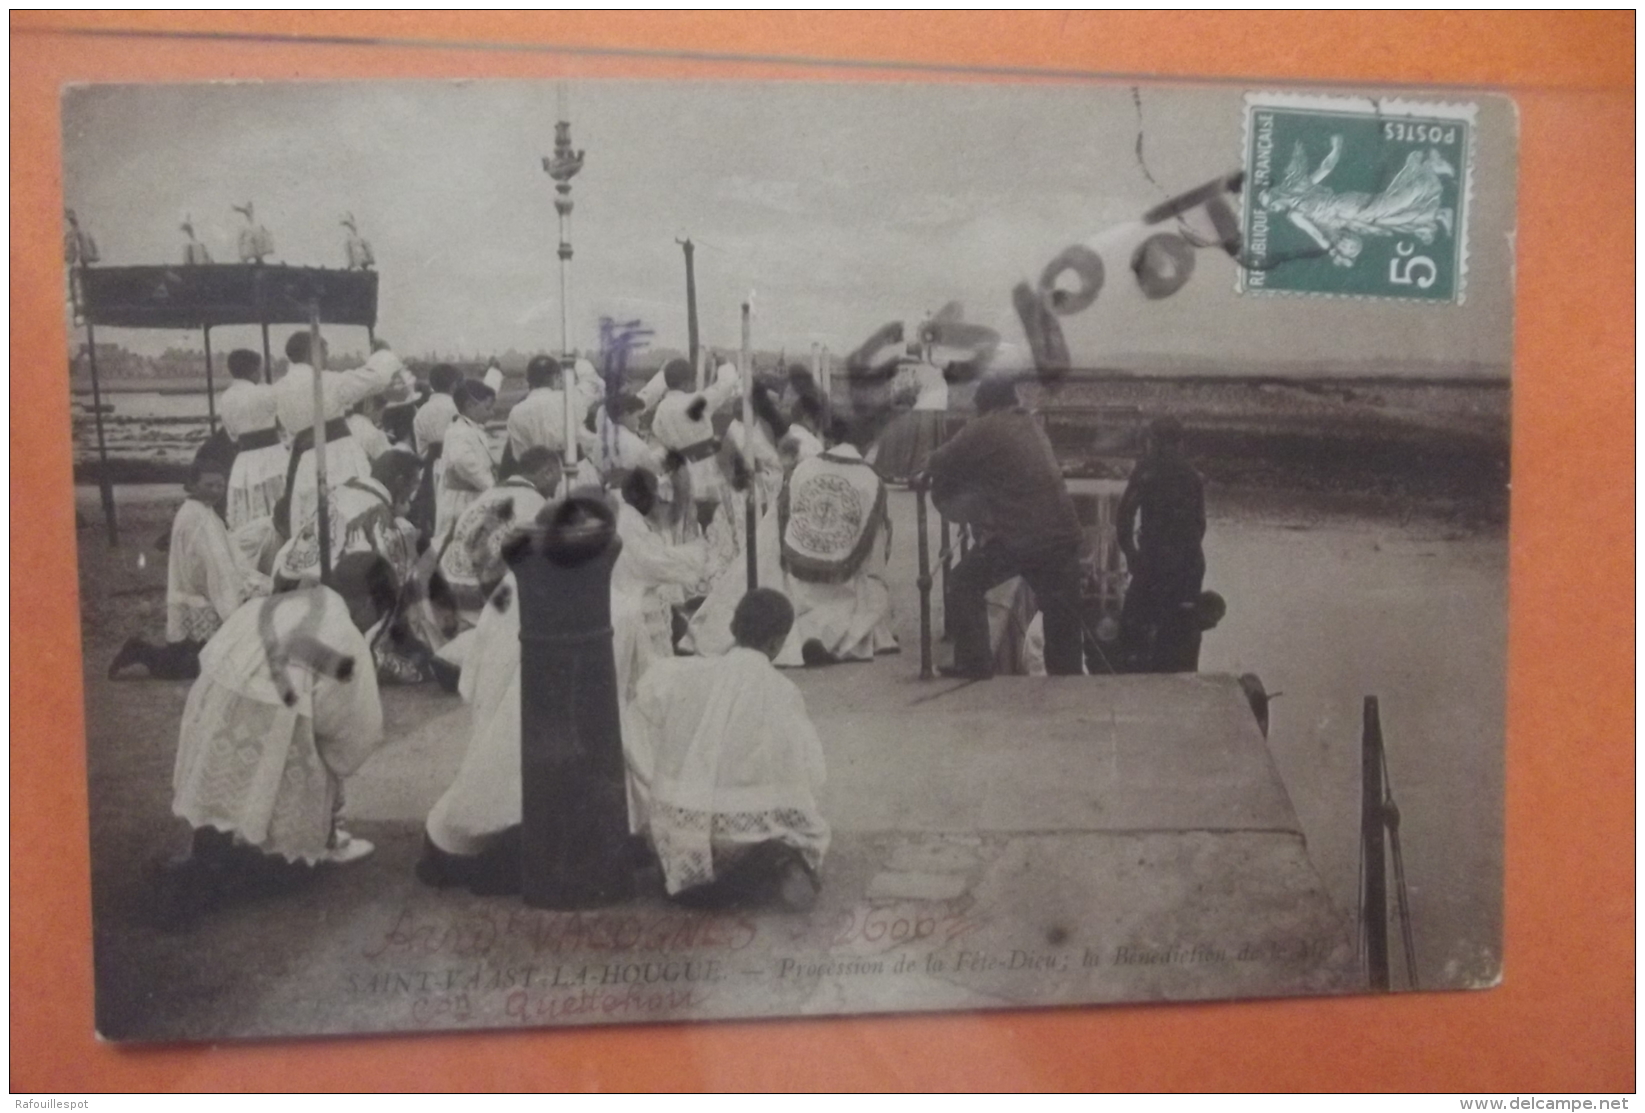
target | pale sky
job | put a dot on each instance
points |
(840, 206)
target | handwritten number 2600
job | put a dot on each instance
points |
(1403, 268)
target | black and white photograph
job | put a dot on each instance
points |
(785, 549)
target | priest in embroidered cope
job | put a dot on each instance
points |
(472, 563)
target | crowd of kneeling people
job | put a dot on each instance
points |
(723, 763)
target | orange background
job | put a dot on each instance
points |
(1563, 1020)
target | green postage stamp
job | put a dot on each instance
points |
(1356, 197)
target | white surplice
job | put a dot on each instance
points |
(485, 797)
(709, 632)
(258, 477)
(205, 578)
(723, 755)
(675, 428)
(340, 390)
(269, 731)
(649, 564)
(538, 419)
(256, 545)
(466, 469)
(613, 448)
(433, 417)
(372, 440)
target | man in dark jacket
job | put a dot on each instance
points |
(1165, 557)
(1000, 476)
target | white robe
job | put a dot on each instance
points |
(648, 566)
(723, 755)
(587, 382)
(485, 799)
(466, 469)
(709, 633)
(258, 477)
(345, 459)
(674, 427)
(932, 385)
(205, 577)
(257, 766)
(373, 441)
(614, 448)
(256, 546)
(433, 418)
(539, 419)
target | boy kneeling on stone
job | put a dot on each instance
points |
(725, 766)
(204, 581)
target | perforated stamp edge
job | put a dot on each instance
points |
(1376, 107)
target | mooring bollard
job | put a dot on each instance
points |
(574, 800)
(924, 580)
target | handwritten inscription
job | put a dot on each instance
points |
(591, 1004)
(881, 924)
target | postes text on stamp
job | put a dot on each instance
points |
(1356, 197)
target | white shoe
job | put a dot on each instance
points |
(347, 848)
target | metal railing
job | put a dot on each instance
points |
(1379, 838)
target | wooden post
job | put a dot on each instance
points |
(751, 514)
(322, 515)
(1374, 905)
(924, 580)
(268, 359)
(690, 299)
(211, 395)
(105, 486)
(573, 780)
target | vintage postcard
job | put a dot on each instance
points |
(785, 549)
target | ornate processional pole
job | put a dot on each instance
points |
(751, 513)
(562, 166)
(320, 442)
